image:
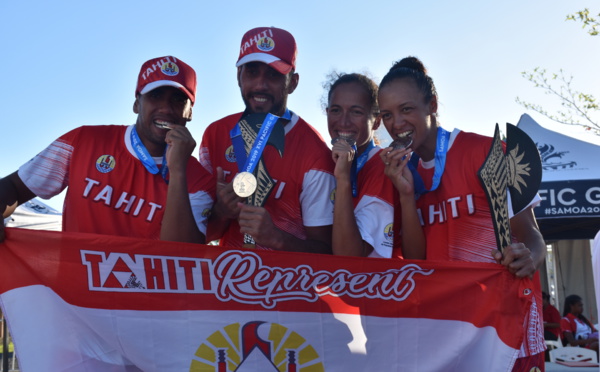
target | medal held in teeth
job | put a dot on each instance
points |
(163, 125)
(349, 140)
(244, 184)
(401, 143)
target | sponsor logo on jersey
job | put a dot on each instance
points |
(388, 232)
(230, 154)
(206, 212)
(256, 346)
(169, 69)
(105, 163)
(266, 44)
(332, 196)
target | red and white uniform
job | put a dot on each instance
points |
(109, 189)
(457, 221)
(374, 206)
(304, 182)
(576, 326)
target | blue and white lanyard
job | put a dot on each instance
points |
(145, 157)
(442, 144)
(357, 165)
(247, 163)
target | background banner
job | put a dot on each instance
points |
(82, 302)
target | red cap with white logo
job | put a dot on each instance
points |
(270, 45)
(167, 71)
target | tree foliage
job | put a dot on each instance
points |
(584, 17)
(578, 108)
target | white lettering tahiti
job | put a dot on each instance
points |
(255, 39)
(438, 213)
(105, 195)
(158, 65)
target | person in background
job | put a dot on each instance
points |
(551, 318)
(456, 218)
(576, 328)
(297, 214)
(137, 180)
(363, 219)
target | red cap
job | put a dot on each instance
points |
(167, 71)
(270, 45)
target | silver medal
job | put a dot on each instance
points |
(244, 184)
(401, 143)
(349, 140)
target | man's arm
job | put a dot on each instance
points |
(13, 193)
(178, 222)
(224, 210)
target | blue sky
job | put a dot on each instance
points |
(70, 63)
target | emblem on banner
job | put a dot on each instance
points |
(256, 346)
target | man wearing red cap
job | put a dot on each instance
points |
(297, 213)
(138, 180)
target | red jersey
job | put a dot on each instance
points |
(374, 206)
(457, 221)
(551, 315)
(109, 189)
(304, 182)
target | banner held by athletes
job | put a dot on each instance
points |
(97, 303)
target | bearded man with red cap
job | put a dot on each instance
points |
(293, 174)
(137, 180)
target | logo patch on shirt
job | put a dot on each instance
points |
(332, 196)
(388, 232)
(230, 154)
(105, 163)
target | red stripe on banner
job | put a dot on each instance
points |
(107, 272)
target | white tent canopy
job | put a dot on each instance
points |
(570, 188)
(35, 215)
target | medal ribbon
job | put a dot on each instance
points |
(358, 164)
(442, 144)
(247, 163)
(145, 157)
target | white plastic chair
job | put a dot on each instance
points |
(551, 344)
(573, 354)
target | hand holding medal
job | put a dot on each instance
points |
(244, 185)
(343, 152)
